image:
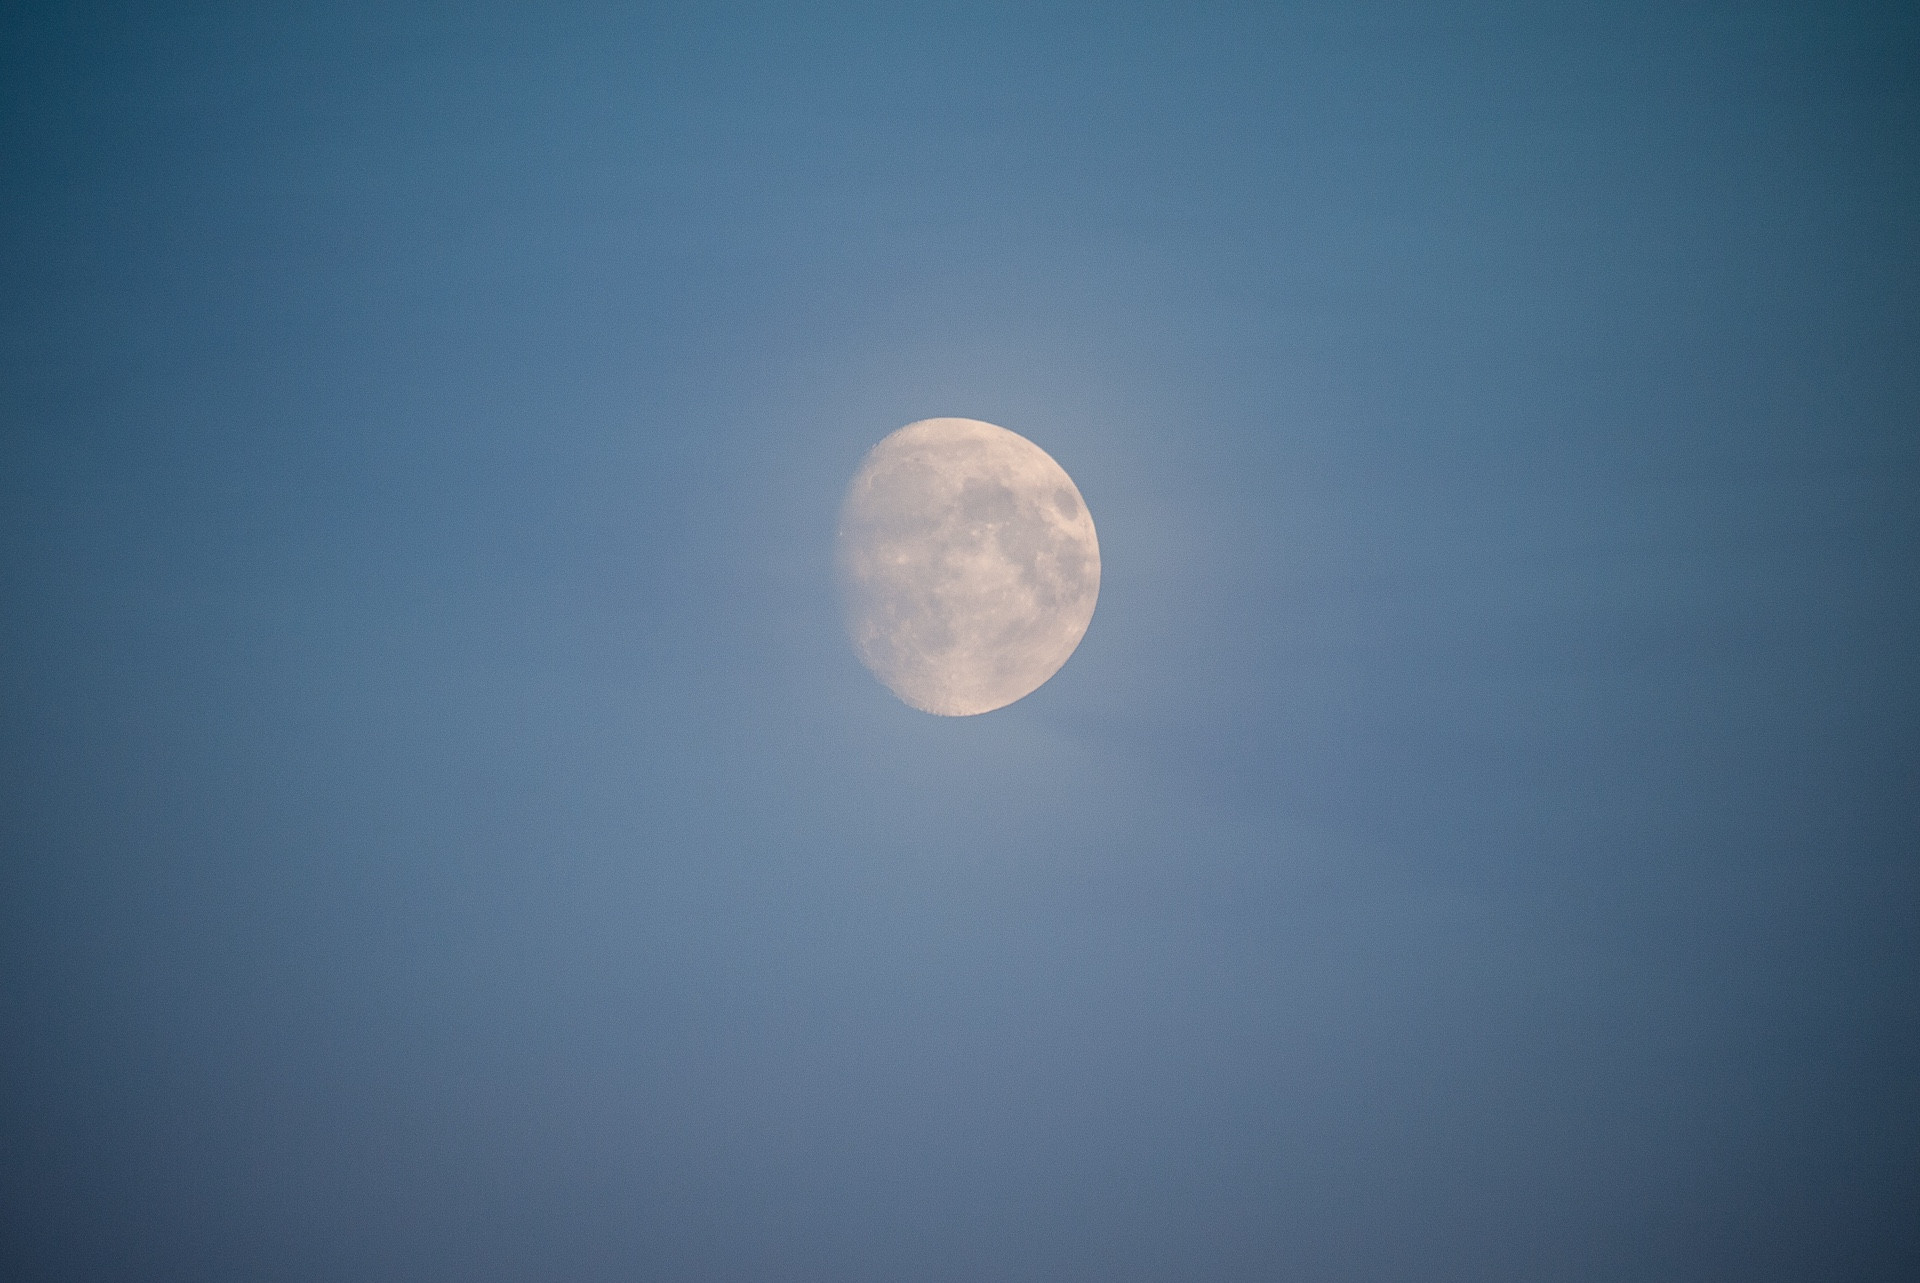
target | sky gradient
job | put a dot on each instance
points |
(446, 835)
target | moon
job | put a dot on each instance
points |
(968, 565)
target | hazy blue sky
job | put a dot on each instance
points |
(444, 834)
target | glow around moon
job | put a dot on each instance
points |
(968, 565)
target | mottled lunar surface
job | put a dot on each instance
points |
(968, 565)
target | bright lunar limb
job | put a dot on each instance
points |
(968, 565)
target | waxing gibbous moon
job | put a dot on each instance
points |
(968, 565)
